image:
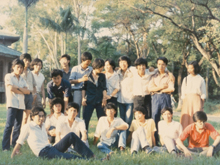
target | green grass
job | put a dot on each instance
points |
(125, 158)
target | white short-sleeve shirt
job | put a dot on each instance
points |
(39, 79)
(29, 78)
(64, 128)
(193, 85)
(103, 127)
(172, 130)
(52, 120)
(125, 95)
(140, 84)
(35, 135)
(12, 99)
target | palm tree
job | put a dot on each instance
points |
(65, 23)
(27, 4)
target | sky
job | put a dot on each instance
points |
(4, 3)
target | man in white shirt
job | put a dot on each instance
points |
(141, 79)
(71, 123)
(15, 87)
(169, 130)
(35, 134)
(111, 130)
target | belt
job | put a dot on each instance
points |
(152, 93)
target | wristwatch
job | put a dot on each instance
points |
(213, 146)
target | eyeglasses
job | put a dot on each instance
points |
(41, 116)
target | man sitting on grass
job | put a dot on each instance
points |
(198, 134)
(169, 130)
(37, 139)
(142, 132)
(111, 129)
(71, 123)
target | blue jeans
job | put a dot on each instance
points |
(159, 101)
(120, 141)
(57, 151)
(14, 118)
(126, 112)
(88, 110)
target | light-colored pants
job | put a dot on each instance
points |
(120, 141)
(169, 143)
(139, 139)
(77, 98)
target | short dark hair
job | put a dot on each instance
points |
(86, 56)
(166, 109)
(67, 57)
(111, 62)
(196, 66)
(140, 61)
(98, 63)
(36, 110)
(73, 105)
(55, 73)
(200, 115)
(25, 56)
(35, 62)
(125, 58)
(111, 105)
(164, 59)
(140, 109)
(16, 61)
(54, 101)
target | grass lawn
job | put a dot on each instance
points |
(124, 158)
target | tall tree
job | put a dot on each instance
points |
(195, 17)
(27, 4)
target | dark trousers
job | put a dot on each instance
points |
(114, 100)
(144, 102)
(57, 151)
(159, 101)
(88, 110)
(14, 118)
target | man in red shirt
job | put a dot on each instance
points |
(198, 136)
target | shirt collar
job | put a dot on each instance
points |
(194, 128)
(68, 71)
(76, 120)
(14, 74)
(35, 125)
(84, 69)
(61, 84)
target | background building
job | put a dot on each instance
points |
(7, 55)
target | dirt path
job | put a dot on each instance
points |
(210, 117)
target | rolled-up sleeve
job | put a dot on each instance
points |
(8, 80)
(67, 92)
(73, 74)
(98, 128)
(49, 91)
(24, 134)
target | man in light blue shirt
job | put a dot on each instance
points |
(78, 76)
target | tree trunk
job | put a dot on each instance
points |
(179, 82)
(25, 35)
(207, 83)
(79, 49)
(76, 6)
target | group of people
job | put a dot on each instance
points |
(142, 94)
